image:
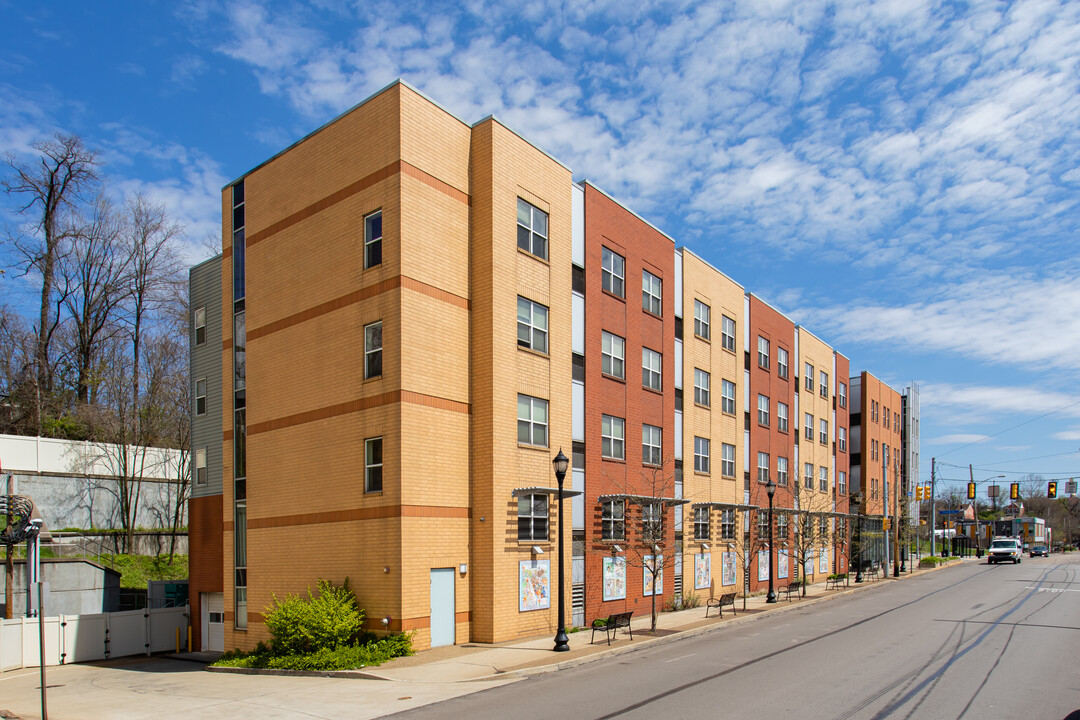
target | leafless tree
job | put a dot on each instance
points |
(812, 526)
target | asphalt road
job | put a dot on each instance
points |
(974, 641)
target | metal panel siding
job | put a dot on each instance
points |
(577, 503)
(577, 393)
(678, 435)
(205, 292)
(577, 220)
(577, 312)
(678, 284)
(678, 364)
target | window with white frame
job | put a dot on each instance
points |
(701, 387)
(781, 362)
(808, 377)
(613, 272)
(701, 454)
(782, 417)
(532, 517)
(373, 239)
(873, 450)
(612, 437)
(200, 466)
(763, 467)
(841, 441)
(808, 476)
(612, 355)
(762, 353)
(727, 524)
(727, 460)
(841, 482)
(727, 397)
(885, 419)
(823, 527)
(823, 431)
(200, 396)
(373, 350)
(781, 524)
(808, 426)
(823, 383)
(763, 525)
(532, 421)
(701, 320)
(701, 523)
(651, 364)
(613, 520)
(200, 326)
(781, 470)
(651, 293)
(532, 325)
(727, 333)
(532, 229)
(651, 524)
(373, 465)
(763, 410)
(841, 394)
(650, 444)
(823, 479)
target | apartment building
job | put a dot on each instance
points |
(842, 459)
(875, 465)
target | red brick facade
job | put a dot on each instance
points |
(205, 543)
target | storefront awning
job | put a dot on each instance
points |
(518, 492)
(642, 499)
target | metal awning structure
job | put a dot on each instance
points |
(642, 499)
(726, 506)
(518, 492)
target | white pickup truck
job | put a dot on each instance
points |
(1004, 550)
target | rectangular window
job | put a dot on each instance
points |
(373, 350)
(896, 423)
(651, 293)
(650, 445)
(532, 325)
(823, 431)
(200, 396)
(532, 421)
(885, 418)
(373, 239)
(841, 441)
(841, 481)
(823, 383)
(762, 353)
(763, 525)
(782, 362)
(651, 525)
(782, 417)
(727, 333)
(781, 524)
(612, 355)
(532, 517)
(763, 467)
(612, 520)
(808, 476)
(873, 450)
(823, 527)
(808, 426)
(727, 397)
(200, 466)
(727, 460)
(373, 465)
(781, 471)
(701, 387)
(532, 229)
(651, 364)
(200, 326)
(701, 454)
(841, 394)
(613, 272)
(701, 523)
(763, 410)
(612, 437)
(727, 524)
(701, 320)
(808, 377)
(823, 479)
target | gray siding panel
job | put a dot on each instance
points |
(204, 282)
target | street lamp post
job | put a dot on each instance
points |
(770, 488)
(562, 642)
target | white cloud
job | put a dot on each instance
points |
(1073, 434)
(956, 438)
(991, 400)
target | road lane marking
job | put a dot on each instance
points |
(682, 657)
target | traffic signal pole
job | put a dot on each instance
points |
(933, 508)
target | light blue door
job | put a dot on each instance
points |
(442, 606)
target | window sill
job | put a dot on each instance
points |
(650, 313)
(704, 407)
(654, 466)
(524, 446)
(616, 378)
(619, 461)
(654, 391)
(728, 350)
(704, 339)
(728, 477)
(545, 543)
(525, 252)
(373, 378)
(530, 351)
(703, 473)
(373, 493)
(620, 298)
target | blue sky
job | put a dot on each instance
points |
(901, 177)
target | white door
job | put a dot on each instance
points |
(442, 606)
(213, 621)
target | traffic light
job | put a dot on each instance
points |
(918, 492)
(1014, 491)
(1051, 489)
(971, 491)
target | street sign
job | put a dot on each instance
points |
(948, 512)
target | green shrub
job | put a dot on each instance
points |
(349, 657)
(327, 621)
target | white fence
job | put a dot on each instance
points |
(80, 638)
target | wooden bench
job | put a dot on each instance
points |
(611, 625)
(727, 599)
(836, 581)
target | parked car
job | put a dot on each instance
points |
(1004, 550)
(1040, 550)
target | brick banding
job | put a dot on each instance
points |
(365, 403)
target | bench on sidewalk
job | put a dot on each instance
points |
(727, 599)
(834, 582)
(793, 587)
(611, 625)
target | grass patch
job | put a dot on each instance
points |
(350, 657)
(136, 570)
(933, 561)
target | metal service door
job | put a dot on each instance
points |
(442, 606)
(213, 622)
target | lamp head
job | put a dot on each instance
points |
(770, 487)
(561, 463)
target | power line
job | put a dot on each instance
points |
(1009, 429)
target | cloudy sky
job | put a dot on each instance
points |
(901, 177)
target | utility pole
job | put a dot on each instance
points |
(9, 560)
(933, 508)
(975, 508)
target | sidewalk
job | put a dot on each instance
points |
(475, 661)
